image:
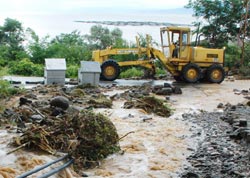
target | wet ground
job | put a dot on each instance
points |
(156, 146)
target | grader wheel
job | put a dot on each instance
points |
(215, 73)
(110, 70)
(191, 73)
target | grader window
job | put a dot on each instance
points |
(212, 55)
(184, 38)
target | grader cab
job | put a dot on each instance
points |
(177, 56)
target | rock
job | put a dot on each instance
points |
(36, 117)
(43, 91)
(60, 102)
(220, 105)
(244, 92)
(57, 111)
(115, 96)
(217, 155)
(177, 90)
(8, 112)
(167, 98)
(164, 91)
(31, 95)
(23, 101)
(167, 85)
(190, 175)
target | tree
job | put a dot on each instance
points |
(219, 19)
(37, 47)
(101, 37)
(70, 46)
(11, 39)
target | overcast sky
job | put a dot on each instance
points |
(19, 7)
(53, 17)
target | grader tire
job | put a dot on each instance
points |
(191, 73)
(110, 70)
(215, 73)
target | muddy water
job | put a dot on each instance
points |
(208, 96)
(159, 147)
(156, 148)
(14, 164)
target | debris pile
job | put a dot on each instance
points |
(86, 136)
(51, 120)
(146, 89)
(141, 98)
(166, 89)
(150, 104)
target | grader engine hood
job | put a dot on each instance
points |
(206, 55)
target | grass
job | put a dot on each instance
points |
(132, 72)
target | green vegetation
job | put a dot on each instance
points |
(26, 67)
(72, 71)
(245, 71)
(220, 19)
(7, 90)
(132, 72)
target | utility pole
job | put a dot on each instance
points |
(243, 28)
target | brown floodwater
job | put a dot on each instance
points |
(157, 147)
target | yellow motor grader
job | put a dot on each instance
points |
(183, 61)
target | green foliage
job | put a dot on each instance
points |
(11, 39)
(245, 71)
(70, 46)
(72, 71)
(144, 40)
(38, 48)
(232, 55)
(160, 71)
(247, 54)
(26, 68)
(101, 38)
(132, 72)
(3, 71)
(7, 90)
(221, 19)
